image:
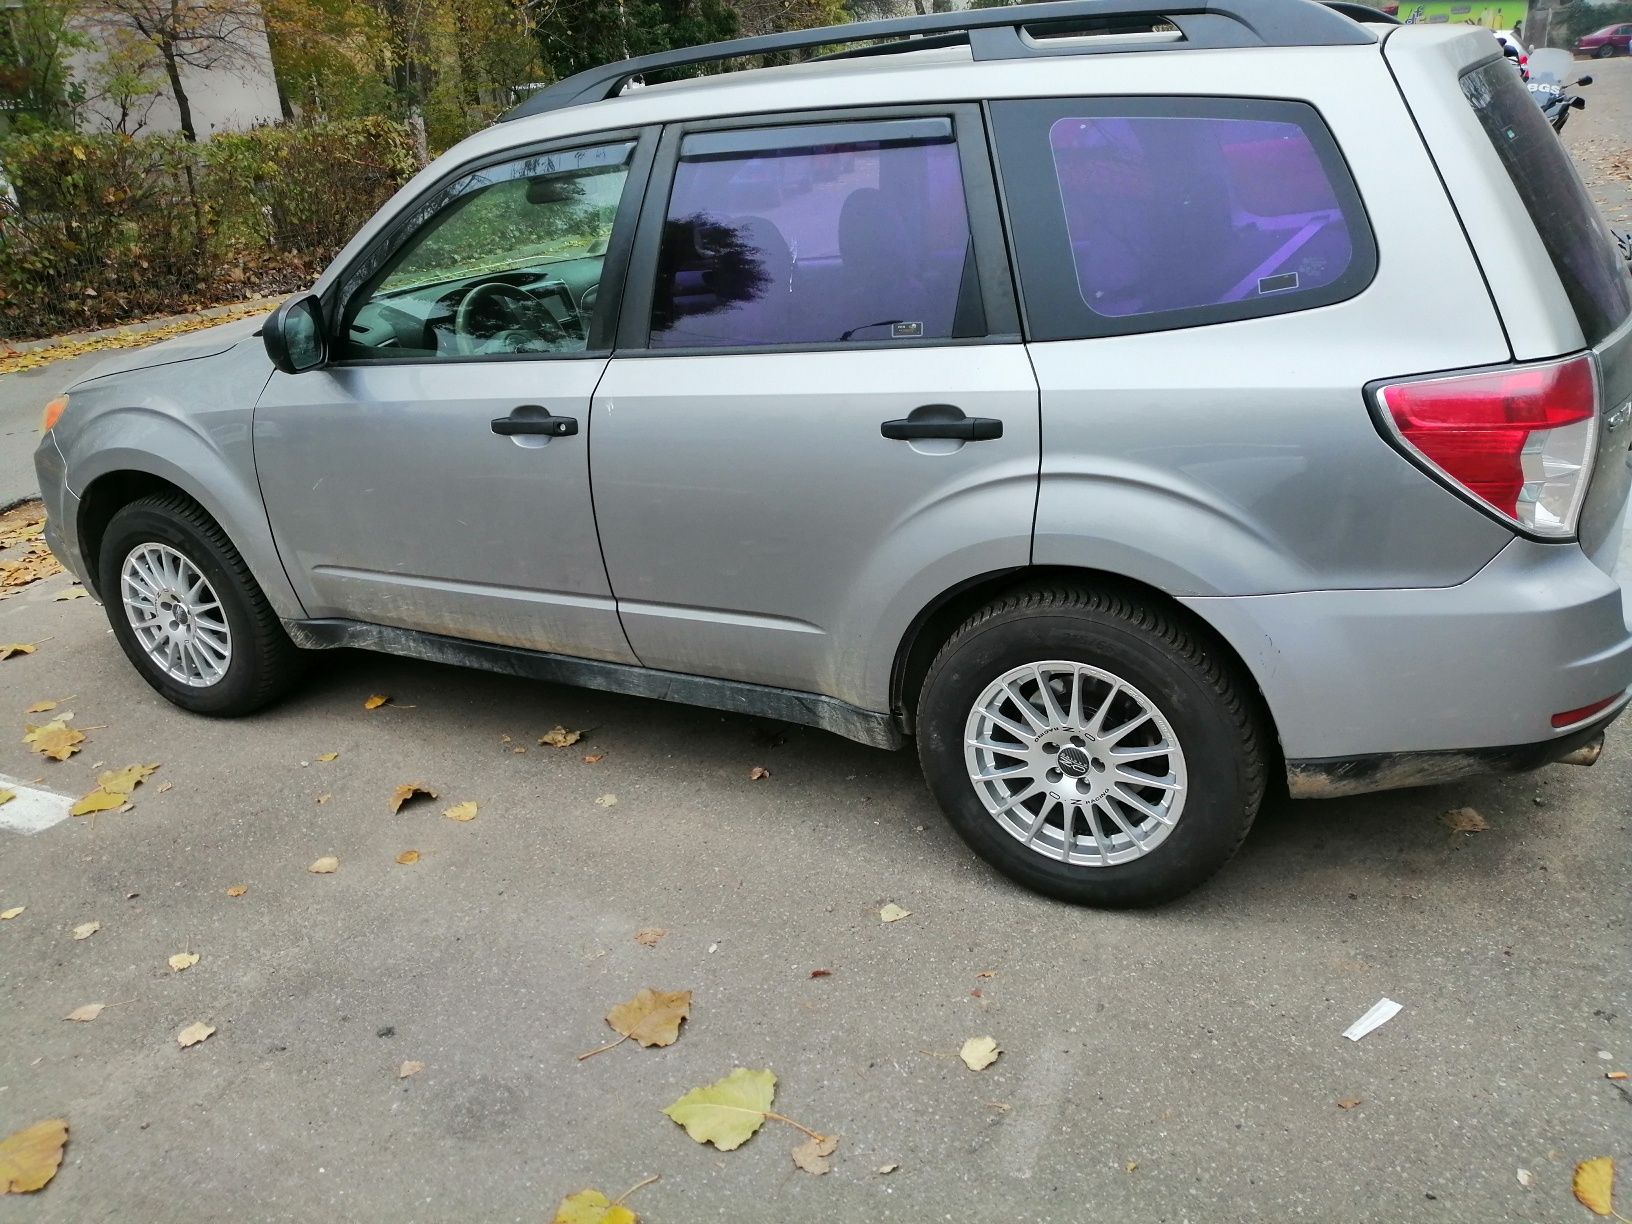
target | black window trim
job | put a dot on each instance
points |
(374, 261)
(1053, 311)
(980, 203)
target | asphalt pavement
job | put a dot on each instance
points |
(1184, 1064)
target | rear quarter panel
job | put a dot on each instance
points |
(1240, 458)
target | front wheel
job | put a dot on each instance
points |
(1607, 51)
(188, 613)
(1091, 747)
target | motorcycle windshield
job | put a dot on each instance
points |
(1550, 66)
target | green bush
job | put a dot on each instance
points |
(110, 228)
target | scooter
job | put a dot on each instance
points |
(1547, 84)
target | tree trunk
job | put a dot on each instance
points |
(184, 108)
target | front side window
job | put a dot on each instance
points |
(505, 260)
(822, 234)
(1139, 215)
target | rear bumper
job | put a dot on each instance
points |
(1469, 670)
(1337, 776)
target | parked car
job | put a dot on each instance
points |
(1611, 40)
(1000, 385)
(1520, 53)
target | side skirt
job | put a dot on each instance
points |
(808, 709)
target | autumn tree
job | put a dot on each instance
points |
(36, 38)
(199, 34)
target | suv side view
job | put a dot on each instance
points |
(1112, 396)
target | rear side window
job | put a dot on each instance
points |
(1583, 252)
(1144, 214)
(816, 234)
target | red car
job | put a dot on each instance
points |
(1611, 40)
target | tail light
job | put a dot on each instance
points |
(1517, 441)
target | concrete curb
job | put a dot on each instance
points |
(144, 325)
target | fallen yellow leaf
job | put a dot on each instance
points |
(1609, 1075)
(652, 1017)
(594, 758)
(756, 774)
(41, 707)
(56, 739)
(193, 1034)
(98, 800)
(461, 811)
(408, 792)
(376, 701)
(87, 1013)
(1594, 1185)
(812, 1155)
(183, 960)
(889, 1168)
(1348, 1102)
(592, 1207)
(1465, 820)
(86, 929)
(327, 865)
(9, 650)
(727, 1112)
(29, 1158)
(237, 890)
(893, 913)
(328, 756)
(560, 737)
(6, 796)
(409, 1068)
(647, 937)
(978, 1053)
(607, 801)
(73, 592)
(124, 781)
(408, 858)
(324, 798)
(8, 915)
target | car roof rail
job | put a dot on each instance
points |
(1015, 32)
(1362, 12)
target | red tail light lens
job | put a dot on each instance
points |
(1565, 717)
(1519, 441)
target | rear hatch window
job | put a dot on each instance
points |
(1582, 249)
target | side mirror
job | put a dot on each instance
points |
(1586, 80)
(294, 336)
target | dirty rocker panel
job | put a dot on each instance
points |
(808, 709)
(1334, 777)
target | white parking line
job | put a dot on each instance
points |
(33, 810)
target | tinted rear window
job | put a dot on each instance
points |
(1141, 214)
(1579, 243)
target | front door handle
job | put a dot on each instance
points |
(534, 419)
(942, 421)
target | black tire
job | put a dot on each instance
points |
(264, 663)
(1208, 707)
(1607, 51)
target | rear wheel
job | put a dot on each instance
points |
(1090, 747)
(188, 613)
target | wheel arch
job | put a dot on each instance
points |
(940, 618)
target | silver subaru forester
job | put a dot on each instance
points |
(1134, 403)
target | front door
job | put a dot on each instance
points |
(823, 415)
(435, 476)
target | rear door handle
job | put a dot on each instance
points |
(534, 419)
(942, 421)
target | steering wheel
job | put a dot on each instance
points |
(474, 325)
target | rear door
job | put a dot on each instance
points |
(819, 415)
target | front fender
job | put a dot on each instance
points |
(189, 425)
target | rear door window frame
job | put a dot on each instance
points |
(993, 272)
(1052, 305)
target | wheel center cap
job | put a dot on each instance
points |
(1073, 761)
